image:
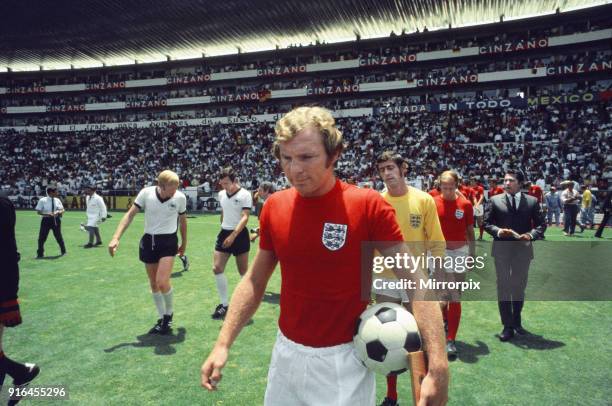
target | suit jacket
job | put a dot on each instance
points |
(527, 218)
(9, 271)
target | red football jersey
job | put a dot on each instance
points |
(318, 244)
(477, 192)
(497, 191)
(536, 191)
(434, 192)
(455, 216)
(467, 192)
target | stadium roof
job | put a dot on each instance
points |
(87, 33)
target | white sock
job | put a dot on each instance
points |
(158, 298)
(222, 288)
(168, 302)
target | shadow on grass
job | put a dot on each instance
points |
(178, 274)
(470, 353)
(535, 342)
(163, 344)
(50, 257)
(271, 298)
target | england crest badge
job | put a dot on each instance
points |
(458, 214)
(334, 236)
(415, 220)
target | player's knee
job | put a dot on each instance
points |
(163, 285)
(217, 269)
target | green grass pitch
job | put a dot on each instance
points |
(86, 315)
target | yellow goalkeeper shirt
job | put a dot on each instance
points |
(417, 217)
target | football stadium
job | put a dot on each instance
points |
(342, 202)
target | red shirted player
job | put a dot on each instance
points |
(315, 231)
(457, 221)
(478, 202)
(494, 189)
(466, 191)
(535, 191)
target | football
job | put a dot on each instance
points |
(384, 335)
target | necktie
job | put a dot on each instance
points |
(513, 202)
(53, 209)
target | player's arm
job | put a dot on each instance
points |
(244, 219)
(436, 241)
(434, 388)
(125, 222)
(469, 236)
(183, 229)
(246, 299)
(481, 199)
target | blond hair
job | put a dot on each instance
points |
(301, 118)
(449, 176)
(168, 177)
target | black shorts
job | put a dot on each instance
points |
(154, 247)
(241, 244)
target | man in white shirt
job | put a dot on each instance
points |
(233, 239)
(165, 207)
(570, 198)
(51, 210)
(96, 214)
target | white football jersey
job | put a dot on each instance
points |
(161, 216)
(232, 207)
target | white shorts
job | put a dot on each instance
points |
(478, 211)
(327, 376)
(455, 254)
(399, 294)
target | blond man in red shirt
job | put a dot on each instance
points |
(315, 230)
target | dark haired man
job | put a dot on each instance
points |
(514, 219)
(233, 239)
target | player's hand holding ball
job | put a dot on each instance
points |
(211, 369)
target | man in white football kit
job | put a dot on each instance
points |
(96, 214)
(233, 239)
(164, 208)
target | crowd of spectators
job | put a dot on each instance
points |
(553, 143)
(248, 109)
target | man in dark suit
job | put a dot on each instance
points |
(607, 210)
(514, 219)
(10, 316)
